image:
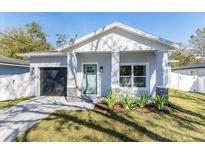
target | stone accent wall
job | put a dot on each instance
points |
(72, 92)
(162, 92)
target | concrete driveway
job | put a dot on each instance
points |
(19, 118)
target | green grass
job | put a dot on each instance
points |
(102, 125)
(9, 103)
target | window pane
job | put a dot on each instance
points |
(140, 70)
(125, 81)
(125, 70)
(140, 81)
(90, 69)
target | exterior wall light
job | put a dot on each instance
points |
(101, 69)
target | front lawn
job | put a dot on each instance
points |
(9, 103)
(187, 123)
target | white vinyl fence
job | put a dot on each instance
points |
(201, 84)
(187, 82)
(15, 86)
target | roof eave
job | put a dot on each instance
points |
(17, 65)
(45, 54)
(188, 68)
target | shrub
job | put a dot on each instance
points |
(159, 102)
(143, 100)
(110, 99)
(127, 101)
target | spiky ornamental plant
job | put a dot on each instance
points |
(127, 101)
(143, 100)
(159, 102)
(110, 99)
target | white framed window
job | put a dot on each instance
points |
(133, 75)
(125, 75)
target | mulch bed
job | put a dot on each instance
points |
(147, 109)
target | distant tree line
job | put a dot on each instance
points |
(194, 52)
(30, 38)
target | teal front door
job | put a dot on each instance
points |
(90, 78)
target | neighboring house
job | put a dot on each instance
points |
(10, 66)
(189, 77)
(197, 69)
(115, 57)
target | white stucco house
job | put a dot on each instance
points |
(116, 57)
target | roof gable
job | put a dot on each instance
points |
(123, 36)
(118, 40)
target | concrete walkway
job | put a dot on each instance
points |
(19, 118)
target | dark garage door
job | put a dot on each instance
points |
(53, 81)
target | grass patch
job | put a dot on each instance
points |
(9, 103)
(187, 124)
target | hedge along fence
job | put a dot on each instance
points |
(15, 86)
(187, 82)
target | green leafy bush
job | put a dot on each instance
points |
(159, 102)
(110, 99)
(143, 100)
(127, 101)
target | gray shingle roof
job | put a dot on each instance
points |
(12, 61)
(191, 66)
